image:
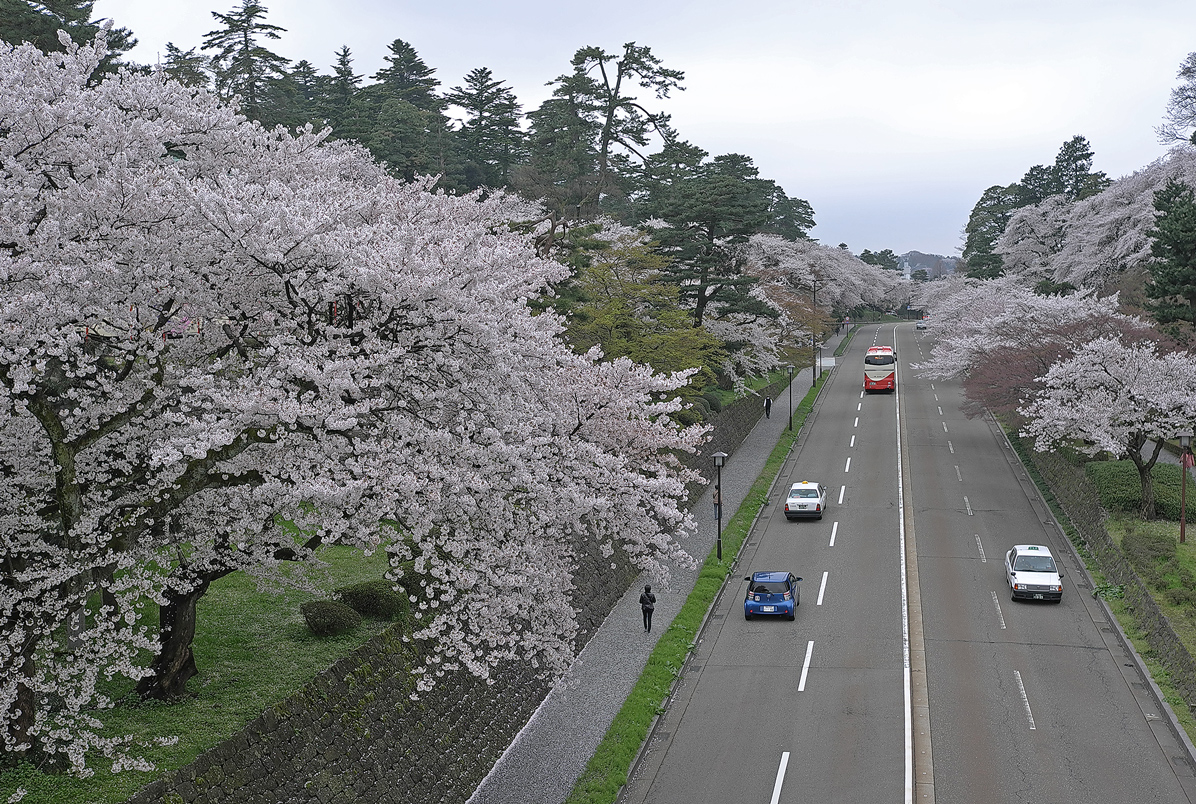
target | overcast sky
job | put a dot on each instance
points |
(890, 118)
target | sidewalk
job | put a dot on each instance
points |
(548, 756)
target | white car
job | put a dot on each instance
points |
(921, 324)
(1032, 573)
(805, 499)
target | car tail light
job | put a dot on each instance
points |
(818, 507)
(788, 595)
(786, 507)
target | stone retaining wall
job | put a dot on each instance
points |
(353, 734)
(1079, 499)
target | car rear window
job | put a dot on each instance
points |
(1033, 564)
(803, 493)
(770, 587)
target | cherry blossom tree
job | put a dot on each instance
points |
(1121, 398)
(998, 336)
(209, 329)
(1096, 240)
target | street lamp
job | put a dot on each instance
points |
(719, 459)
(790, 367)
(814, 336)
(1185, 462)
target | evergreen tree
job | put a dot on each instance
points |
(341, 89)
(245, 67)
(406, 76)
(1173, 248)
(38, 23)
(985, 224)
(710, 215)
(1179, 120)
(562, 159)
(885, 259)
(490, 131)
(186, 66)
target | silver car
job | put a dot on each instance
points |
(1032, 573)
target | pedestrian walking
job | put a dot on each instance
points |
(647, 604)
(718, 500)
(768, 407)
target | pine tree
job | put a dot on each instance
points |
(186, 66)
(243, 66)
(1173, 248)
(490, 131)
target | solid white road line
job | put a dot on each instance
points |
(967, 504)
(1000, 616)
(907, 681)
(842, 491)
(847, 468)
(805, 667)
(1025, 698)
(980, 547)
(834, 530)
(776, 788)
(822, 589)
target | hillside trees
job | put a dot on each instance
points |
(265, 328)
(38, 23)
(493, 139)
(1070, 176)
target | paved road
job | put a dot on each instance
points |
(1026, 701)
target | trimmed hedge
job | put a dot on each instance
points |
(329, 617)
(376, 599)
(1120, 487)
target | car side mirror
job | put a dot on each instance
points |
(748, 578)
(797, 579)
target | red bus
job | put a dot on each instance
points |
(880, 369)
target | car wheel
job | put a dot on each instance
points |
(747, 615)
(1012, 594)
(792, 616)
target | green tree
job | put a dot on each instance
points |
(562, 159)
(985, 224)
(884, 259)
(1173, 250)
(246, 68)
(38, 23)
(710, 214)
(490, 131)
(186, 66)
(1179, 118)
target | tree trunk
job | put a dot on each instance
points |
(1134, 449)
(175, 663)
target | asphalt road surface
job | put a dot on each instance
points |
(972, 697)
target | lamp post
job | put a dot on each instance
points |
(1185, 461)
(814, 336)
(719, 459)
(790, 367)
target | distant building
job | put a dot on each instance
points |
(935, 265)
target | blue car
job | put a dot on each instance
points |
(771, 593)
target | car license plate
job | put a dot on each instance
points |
(774, 608)
(1038, 597)
(803, 505)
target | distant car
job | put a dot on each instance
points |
(805, 499)
(771, 593)
(1032, 573)
(921, 324)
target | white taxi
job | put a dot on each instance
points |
(1032, 573)
(805, 499)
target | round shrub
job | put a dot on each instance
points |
(373, 599)
(329, 617)
(713, 400)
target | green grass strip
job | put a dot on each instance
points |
(607, 770)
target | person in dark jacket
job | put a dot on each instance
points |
(647, 604)
(768, 407)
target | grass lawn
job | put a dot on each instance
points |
(253, 650)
